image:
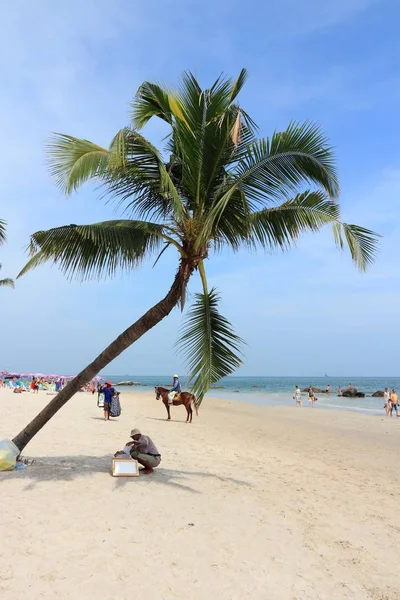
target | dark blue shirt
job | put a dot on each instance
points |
(108, 393)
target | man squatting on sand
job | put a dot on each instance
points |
(142, 449)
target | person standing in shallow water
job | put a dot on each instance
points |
(297, 396)
(386, 401)
(311, 397)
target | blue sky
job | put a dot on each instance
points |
(74, 66)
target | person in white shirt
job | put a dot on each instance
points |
(386, 401)
(297, 396)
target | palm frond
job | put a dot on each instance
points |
(142, 181)
(95, 251)
(131, 169)
(281, 226)
(362, 243)
(73, 161)
(7, 282)
(209, 344)
(273, 169)
(151, 100)
(3, 235)
(238, 84)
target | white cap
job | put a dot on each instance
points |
(176, 376)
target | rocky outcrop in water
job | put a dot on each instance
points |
(377, 394)
(353, 394)
(128, 383)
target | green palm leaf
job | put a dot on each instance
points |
(3, 235)
(7, 282)
(131, 169)
(151, 100)
(281, 226)
(361, 242)
(94, 251)
(210, 345)
(73, 161)
(140, 179)
(274, 168)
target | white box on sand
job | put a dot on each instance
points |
(125, 467)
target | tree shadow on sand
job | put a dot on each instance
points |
(68, 468)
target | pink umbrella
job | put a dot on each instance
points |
(52, 375)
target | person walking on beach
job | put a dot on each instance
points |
(175, 390)
(386, 401)
(142, 449)
(297, 396)
(393, 403)
(108, 392)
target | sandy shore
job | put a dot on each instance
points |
(248, 502)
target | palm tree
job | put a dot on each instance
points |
(221, 186)
(4, 282)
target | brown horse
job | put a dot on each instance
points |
(185, 398)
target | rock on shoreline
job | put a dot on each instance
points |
(128, 383)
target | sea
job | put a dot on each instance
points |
(278, 391)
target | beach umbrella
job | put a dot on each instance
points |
(52, 375)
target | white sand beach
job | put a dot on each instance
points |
(248, 502)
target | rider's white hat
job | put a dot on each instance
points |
(176, 376)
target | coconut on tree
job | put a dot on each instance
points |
(222, 186)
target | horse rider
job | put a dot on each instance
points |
(175, 390)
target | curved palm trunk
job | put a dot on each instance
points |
(123, 341)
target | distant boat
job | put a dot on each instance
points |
(326, 375)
